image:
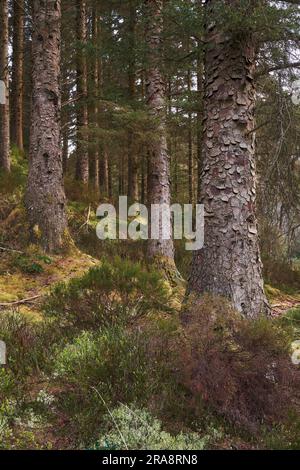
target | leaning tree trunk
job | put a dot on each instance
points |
(4, 76)
(17, 74)
(229, 264)
(45, 198)
(159, 160)
(82, 161)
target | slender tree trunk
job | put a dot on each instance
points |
(27, 85)
(144, 179)
(159, 160)
(4, 76)
(133, 164)
(104, 174)
(65, 149)
(17, 74)
(110, 181)
(190, 145)
(94, 146)
(82, 161)
(45, 197)
(229, 264)
(199, 121)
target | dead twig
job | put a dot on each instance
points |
(2, 248)
(20, 302)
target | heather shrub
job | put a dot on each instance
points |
(29, 344)
(106, 295)
(241, 368)
(112, 361)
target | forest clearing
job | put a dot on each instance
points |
(170, 323)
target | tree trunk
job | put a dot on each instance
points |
(17, 74)
(159, 160)
(94, 145)
(82, 161)
(45, 198)
(199, 120)
(190, 143)
(65, 149)
(229, 264)
(133, 164)
(104, 174)
(4, 76)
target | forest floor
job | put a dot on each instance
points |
(26, 290)
(27, 277)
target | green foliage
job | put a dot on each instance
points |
(7, 383)
(292, 319)
(112, 361)
(107, 294)
(27, 265)
(32, 263)
(136, 429)
(100, 369)
(28, 343)
(282, 275)
(15, 181)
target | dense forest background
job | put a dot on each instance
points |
(141, 344)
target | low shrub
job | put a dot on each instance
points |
(241, 368)
(29, 344)
(281, 274)
(100, 369)
(107, 294)
(130, 428)
(112, 361)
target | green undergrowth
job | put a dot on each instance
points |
(111, 343)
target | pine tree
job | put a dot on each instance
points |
(159, 159)
(82, 163)
(17, 74)
(45, 198)
(4, 77)
(230, 263)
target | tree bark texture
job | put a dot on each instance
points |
(94, 145)
(45, 198)
(133, 162)
(4, 76)
(17, 74)
(229, 264)
(159, 160)
(82, 161)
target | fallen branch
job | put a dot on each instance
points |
(20, 302)
(2, 248)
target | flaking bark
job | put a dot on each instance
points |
(45, 197)
(229, 264)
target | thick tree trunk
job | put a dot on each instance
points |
(4, 76)
(82, 161)
(159, 160)
(133, 163)
(45, 198)
(17, 74)
(229, 264)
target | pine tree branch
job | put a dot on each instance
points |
(265, 71)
